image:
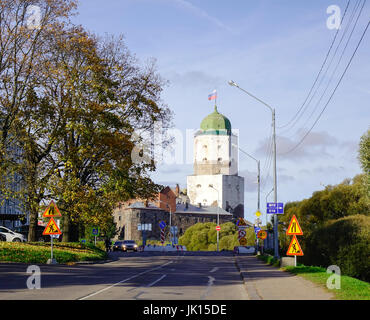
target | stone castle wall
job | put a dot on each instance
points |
(127, 220)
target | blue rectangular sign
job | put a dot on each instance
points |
(275, 208)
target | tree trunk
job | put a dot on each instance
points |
(70, 230)
(66, 228)
(32, 229)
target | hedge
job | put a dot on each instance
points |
(344, 242)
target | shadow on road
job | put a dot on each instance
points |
(188, 269)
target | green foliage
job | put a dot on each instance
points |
(364, 152)
(269, 259)
(343, 242)
(73, 104)
(349, 198)
(203, 236)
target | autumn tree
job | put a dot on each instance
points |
(27, 129)
(107, 99)
(70, 103)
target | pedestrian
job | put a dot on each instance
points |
(108, 244)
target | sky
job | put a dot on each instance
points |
(274, 49)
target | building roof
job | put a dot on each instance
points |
(181, 208)
(216, 123)
(141, 205)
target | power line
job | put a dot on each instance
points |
(336, 67)
(326, 71)
(331, 96)
(318, 75)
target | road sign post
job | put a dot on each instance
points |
(51, 229)
(95, 232)
(294, 229)
(242, 225)
(162, 225)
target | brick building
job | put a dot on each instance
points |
(128, 218)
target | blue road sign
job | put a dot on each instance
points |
(95, 231)
(280, 207)
(162, 224)
(256, 229)
(275, 208)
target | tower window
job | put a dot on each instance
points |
(198, 185)
(204, 159)
(219, 159)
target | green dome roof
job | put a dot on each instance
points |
(216, 122)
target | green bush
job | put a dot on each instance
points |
(344, 242)
(203, 236)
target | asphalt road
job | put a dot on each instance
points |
(135, 276)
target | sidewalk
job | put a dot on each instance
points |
(264, 282)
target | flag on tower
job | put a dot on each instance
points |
(213, 95)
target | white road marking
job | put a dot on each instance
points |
(154, 282)
(214, 269)
(122, 281)
(209, 285)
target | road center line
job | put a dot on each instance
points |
(122, 281)
(154, 282)
(214, 269)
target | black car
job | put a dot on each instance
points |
(125, 245)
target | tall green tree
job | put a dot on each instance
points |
(364, 152)
(28, 127)
(74, 119)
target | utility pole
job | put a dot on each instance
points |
(218, 216)
(276, 234)
(258, 176)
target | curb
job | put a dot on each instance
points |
(249, 285)
(92, 262)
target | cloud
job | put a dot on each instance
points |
(193, 79)
(187, 5)
(315, 145)
(250, 180)
(285, 178)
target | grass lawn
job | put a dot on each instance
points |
(351, 288)
(39, 252)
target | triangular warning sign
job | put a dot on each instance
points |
(294, 227)
(52, 211)
(294, 248)
(51, 228)
(241, 222)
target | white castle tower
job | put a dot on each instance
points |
(215, 181)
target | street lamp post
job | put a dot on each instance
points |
(218, 216)
(266, 205)
(259, 188)
(276, 240)
(258, 177)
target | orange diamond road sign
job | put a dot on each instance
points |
(243, 241)
(262, 234)
(294, 227)
(51, 228)
(294, 248)
(52, 211)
